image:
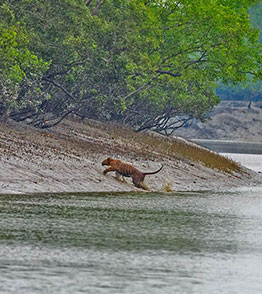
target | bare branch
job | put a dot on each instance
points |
(70, 65)
(175, 75)
(62, 88)
(88, 2)
(46, 125)
(99, 3)
(143, 87)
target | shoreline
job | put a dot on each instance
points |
(67, 159)
(227, 146)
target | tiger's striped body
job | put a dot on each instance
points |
(128, 170)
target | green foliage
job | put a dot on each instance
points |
(187, 46)
(18, 64)
(149, 64)
(249, 90)
(255, 12)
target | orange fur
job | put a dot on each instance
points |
(128, 170)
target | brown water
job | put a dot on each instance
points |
(132, 243)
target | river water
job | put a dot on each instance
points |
(132, 243)
(252, 161)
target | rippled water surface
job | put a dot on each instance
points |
(131, 243)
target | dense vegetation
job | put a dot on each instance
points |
(148, 64)
(249, 90)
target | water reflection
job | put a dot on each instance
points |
(131, 243)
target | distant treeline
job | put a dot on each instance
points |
(251, 92)
(149, 64)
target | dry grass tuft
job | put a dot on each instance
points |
(150, 144)
(167, 187)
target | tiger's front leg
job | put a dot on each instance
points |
(110, 169)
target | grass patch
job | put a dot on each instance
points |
(150, 144)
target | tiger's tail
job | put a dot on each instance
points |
(152, 173)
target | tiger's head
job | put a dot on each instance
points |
(106, 161)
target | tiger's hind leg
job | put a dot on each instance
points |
(142, 185)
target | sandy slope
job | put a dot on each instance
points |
(68, 158)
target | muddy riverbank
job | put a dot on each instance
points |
(67, 158)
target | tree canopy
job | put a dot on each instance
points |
(149, 64)
(249, 90)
